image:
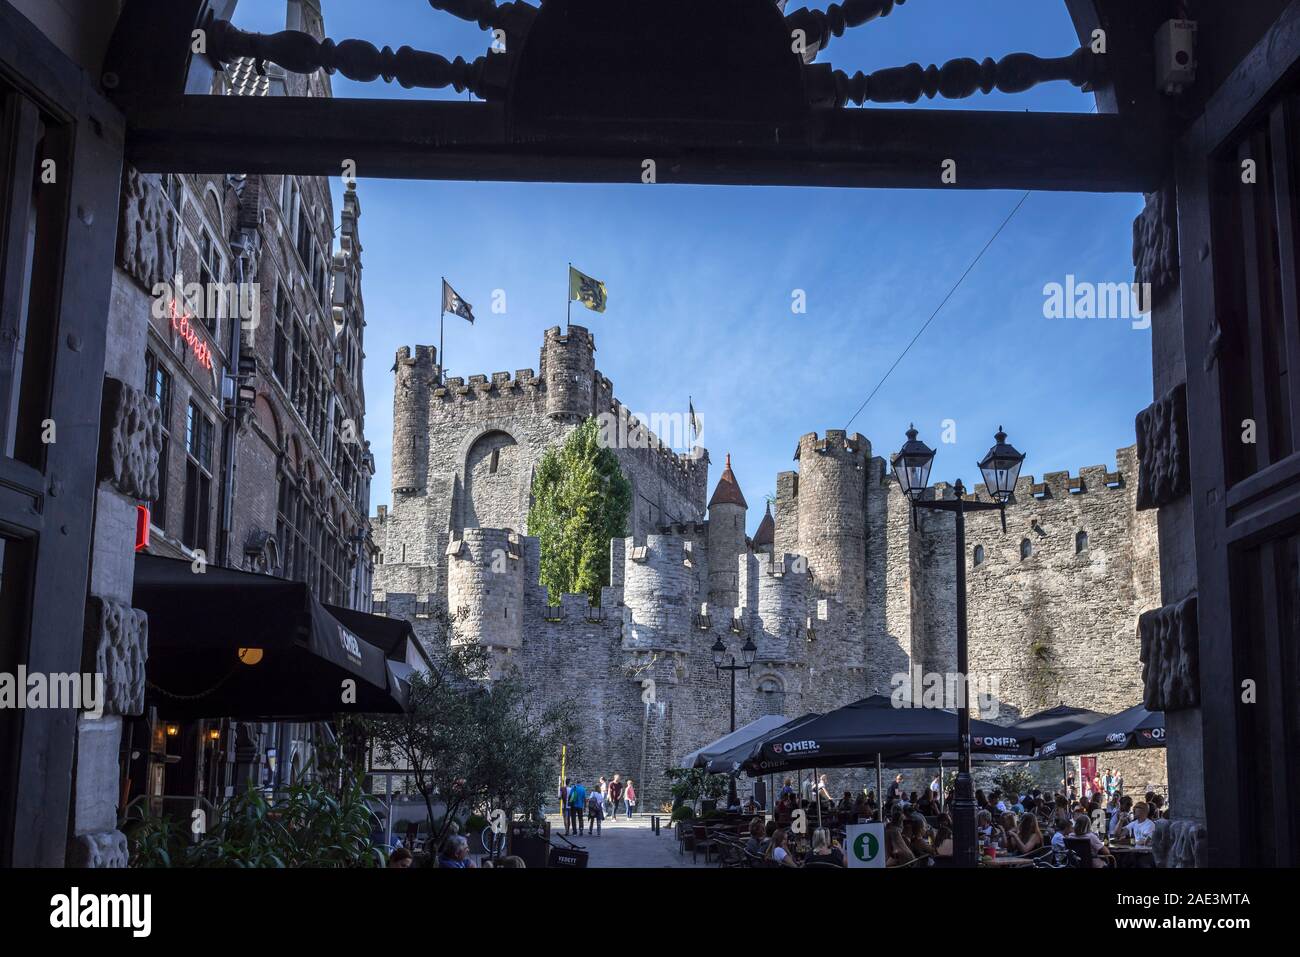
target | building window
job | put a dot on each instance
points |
(280, 358)
(209, 276)
(158, 384)
(198, 479)
(1026, 549)
(174, 187)
(770, 698)
(979, 554)
(1080, 542)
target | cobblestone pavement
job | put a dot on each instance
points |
(624, 843)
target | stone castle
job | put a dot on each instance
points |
(837, 589)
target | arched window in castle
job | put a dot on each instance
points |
(979, 554)
(1080, 543)
(770, 696)
(1026, 549)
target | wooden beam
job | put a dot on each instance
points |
(451, 140)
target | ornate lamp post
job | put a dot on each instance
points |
(1000, 468)
(748, 652)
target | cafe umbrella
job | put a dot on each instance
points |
(1135, 727)
(853, 735)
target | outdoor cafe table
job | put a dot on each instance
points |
(1012, 861)
(1127, 856)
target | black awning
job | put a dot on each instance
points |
(198, 624)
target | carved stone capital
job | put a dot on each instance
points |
(99, 849)
(1170, 657)
(1180, 844)
(146, 245)
(119, 635)
(130, 440)
(1164, 472)
(1155, 243)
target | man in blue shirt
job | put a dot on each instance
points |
(577, 801)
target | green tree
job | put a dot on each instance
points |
(471, 743)
(580, 501)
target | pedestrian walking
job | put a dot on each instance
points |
(577, 801)
(615, 796)
(629, 795)
(564, 802)
(595, 813)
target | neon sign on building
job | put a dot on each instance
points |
(187, 330)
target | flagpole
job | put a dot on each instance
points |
(442, 318)
(568, 301)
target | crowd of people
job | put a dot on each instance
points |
(591, 806)
(918, 825)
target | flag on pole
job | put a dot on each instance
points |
(590, 292)
(695, 424)
(452, 303)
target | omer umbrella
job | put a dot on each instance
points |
(741, 737)
(856, 733)
(1134, 728)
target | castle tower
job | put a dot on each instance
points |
(656, 595)
(832, 514)
(765, 537)
(727, 511)
(485, 588)
(568, 365)
(411, 394)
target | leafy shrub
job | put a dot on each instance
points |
(683, 812)
(308, 827)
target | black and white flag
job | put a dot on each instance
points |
(452, 303)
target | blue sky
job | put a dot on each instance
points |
(701, 279)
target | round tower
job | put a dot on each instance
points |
(411, 394)
(568, 365)
(832, 514)
(485, 589)
(727, 511)
(782, 610)
(656, 595)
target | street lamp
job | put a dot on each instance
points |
(748, 652)
(1000, 468)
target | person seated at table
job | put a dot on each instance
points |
(1027, 837)
(823, 850)
(996, 804)
(862, 807)
(1121, 816)
(896, 849)
(1141, 828)
(1061, 811)
(757, 841)
(1100, 853)
(926, 805)
(1156, 807)
(943, 836)
(778, 850)
(981, 799)
(787, 788)
(1007, 823)
(1064, 828)
(984, 825)
(916, 834)
(846, 803)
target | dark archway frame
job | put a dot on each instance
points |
(795, 134)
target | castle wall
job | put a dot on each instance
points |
(851, 596)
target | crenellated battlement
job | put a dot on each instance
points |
(456, 388)
(837, 442)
